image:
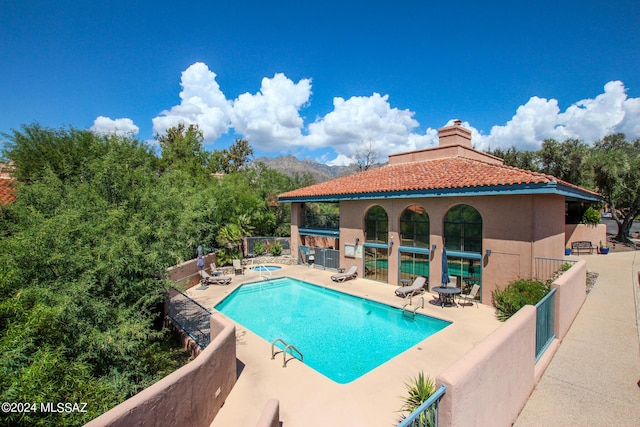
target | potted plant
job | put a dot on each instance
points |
(591, 217)
(604, 249)
(567, 251)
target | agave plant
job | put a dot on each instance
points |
(418, 391)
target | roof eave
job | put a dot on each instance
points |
(494, 190)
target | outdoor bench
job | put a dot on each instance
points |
(582, 245)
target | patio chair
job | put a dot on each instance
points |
(348, 275)
(237, 266)
(215, 271)
(471, 296)
(214, 280)
(416, 288)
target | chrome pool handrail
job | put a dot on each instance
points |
(289, 347)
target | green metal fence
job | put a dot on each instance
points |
(426, 415)
(545, 319)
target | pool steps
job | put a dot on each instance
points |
(284, 352)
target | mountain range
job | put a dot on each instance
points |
(291, 165)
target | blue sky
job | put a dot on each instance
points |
(320, 79)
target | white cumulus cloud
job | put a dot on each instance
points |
(202, 103)
(365, 120)
(270, 119)
(122, 126)
(587, 120)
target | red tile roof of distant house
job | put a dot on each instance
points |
(6, 190)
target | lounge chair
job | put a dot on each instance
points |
(215, 271)
(213, 280)
(348, 275)
(471, 296)
(237, 266)
(416, 288)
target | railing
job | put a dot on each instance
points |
(406, 311)
(263, 270)
(267, 242)
(426, 415)
(324, 222)
(190, 316)
(546, 268)
(288, 347)
(322, 257)
(545, 332)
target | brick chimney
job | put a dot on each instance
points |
(454, 135)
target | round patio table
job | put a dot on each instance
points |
(447, 294)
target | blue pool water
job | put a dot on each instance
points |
(265, 268)
(341, 336)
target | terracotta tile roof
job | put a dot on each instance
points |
(6, 191)
(431, 175)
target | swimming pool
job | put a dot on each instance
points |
(265, 268)
(341, 336)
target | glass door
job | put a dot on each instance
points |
(376, 263)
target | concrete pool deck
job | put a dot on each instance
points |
(307, 397)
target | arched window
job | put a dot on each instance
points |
(463, 229)
(414, 227)
(376, 225)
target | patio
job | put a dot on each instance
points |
(307, 397)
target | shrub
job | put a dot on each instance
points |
(591, 217)
(418, 391)
(226, 256)
(259, 248)
(276, 248)
(516, 295)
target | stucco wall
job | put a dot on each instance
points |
(270, 414)
(191, 396)
(516, 228)
(490, 384)
(582, 232)
(571, 292)
(296, 223)
(189, 268)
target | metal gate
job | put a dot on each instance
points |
(321, 257)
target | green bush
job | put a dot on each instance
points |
(418, 391)
(591, 217)
(516, 295)
(276, 248)
(259, 248)
(226, 256)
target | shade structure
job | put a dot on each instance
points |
(445, 268)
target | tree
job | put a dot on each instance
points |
(520, 159)
(566, 160)
(182, 148)
(273, 218)
(366, 157)
(65, 152)
(616, 167)
(80, 255)
(231, 160)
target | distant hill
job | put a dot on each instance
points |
(290, 165)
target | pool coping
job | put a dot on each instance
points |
(308, 397)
